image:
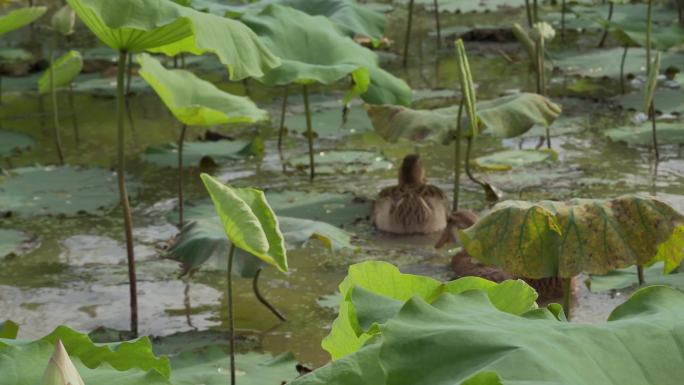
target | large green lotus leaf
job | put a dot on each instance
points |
(24, 365)
(203, 241)
(106, 87)
(67, 190)
(336, 209)
(467, 6)
(222, 151)
(509, 159)
(624, 278)
(194, 101)
(464, 339)
(668, 101)
(313, 50)
(606, 62)
(122, 356)
(642, 135)
(212, 367)
(350, 17)
(663, 37)
(12, 142)
(67, 67)
(15, 55)
(343, 162)
(328, 122)
(20, 17)
(15, 242)
(384, 289)
(505, 117)
(549, 239)
(166, 27)
(248, 221)
(622, 13)
(8, 330)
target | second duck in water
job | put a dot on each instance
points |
(413, 206)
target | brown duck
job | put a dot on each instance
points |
(464, 265)
(413, 206)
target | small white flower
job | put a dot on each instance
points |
(545, 30)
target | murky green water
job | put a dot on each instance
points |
(53, 285)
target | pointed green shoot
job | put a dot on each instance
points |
(19, 18)
(467, 86)
(60, 369)
(249, 221)
(652, 82)
(196, 102)
(66, 69)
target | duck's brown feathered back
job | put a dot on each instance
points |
(411, 204)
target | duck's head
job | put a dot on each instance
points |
(412, 171)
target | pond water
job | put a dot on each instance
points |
(77, 275)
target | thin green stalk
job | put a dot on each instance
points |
(309, 133)
(654, 134)
(264, 301)
(535, 11)
(528, 10)
(55, 106)
(74, 115)
(123, 193)
(611, 7)
(437, 22)
(563, 20)
(231, 315)
(640, 274)
(567, 297)
(622, 70)
(181, 198)
(649, 31)
(407, 40)
(283, 111)
(129, 77)
(457, 157)
(469, 146)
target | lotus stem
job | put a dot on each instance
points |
(652, 116)
(622, 69)
(181, 141)
(231, 315)
(41, 112)
(611, 7)
(457, 157)
(407, 40)
(640, 275)
(283, 111)
(562, 32)
(129, 77)
(309, 133)
(567, 297)
(55, 106)
(123, 193)
(74, 115)
(255, 288)
(528, 10)
(541, 67)
(439, 26)
(535, 11)
(680, 12)
(649, 31)
(469, 145)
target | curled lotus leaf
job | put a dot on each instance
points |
(504, 117)
(548, 239)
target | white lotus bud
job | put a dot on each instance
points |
(63, 20)
(545, 30)
(60, 369)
